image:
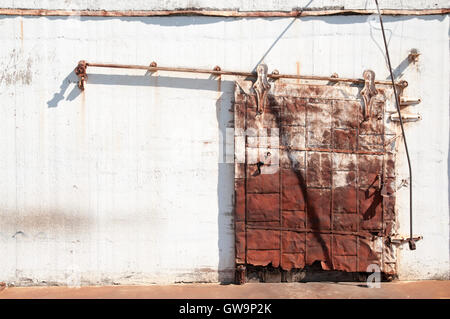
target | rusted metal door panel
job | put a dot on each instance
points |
(314, 180)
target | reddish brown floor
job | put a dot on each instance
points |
(400, 289)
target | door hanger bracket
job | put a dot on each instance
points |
(368, 93)
(261, 87)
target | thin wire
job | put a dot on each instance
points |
(411, 239)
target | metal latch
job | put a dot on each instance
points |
(400, 239)
(405, 101)
(406, 117)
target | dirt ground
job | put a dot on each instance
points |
(333, 290)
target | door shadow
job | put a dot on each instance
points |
(225, 118)
(71, 78)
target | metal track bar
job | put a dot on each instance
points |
(82, 66)
(215, 13)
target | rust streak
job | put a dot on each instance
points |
(21, 31)
(217, 13)
(83, 117)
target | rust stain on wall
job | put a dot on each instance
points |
(21, 32)
(36, 223)
(331, 198)
(83, 114)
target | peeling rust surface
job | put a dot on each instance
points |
(329, 197)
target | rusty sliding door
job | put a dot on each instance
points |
(314, 177)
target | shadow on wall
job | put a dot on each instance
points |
(225, 182)
(59, 96)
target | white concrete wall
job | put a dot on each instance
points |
(124, 183)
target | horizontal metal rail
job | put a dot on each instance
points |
(82, 65)
(216, 13)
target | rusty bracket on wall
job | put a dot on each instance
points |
(80, 71)
(405, 101)
(370, 95)
(406, 117)
(401, 239)
(240, 274)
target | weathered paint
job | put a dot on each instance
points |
(117, 201)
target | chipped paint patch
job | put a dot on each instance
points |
(16, 70)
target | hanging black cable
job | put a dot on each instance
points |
(412, 244)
